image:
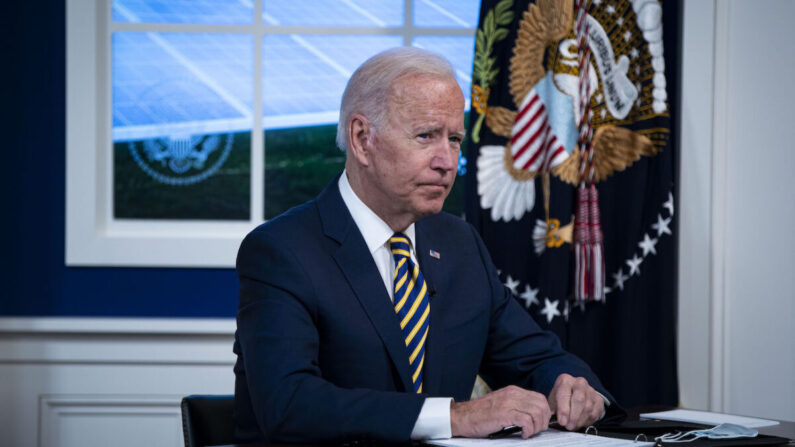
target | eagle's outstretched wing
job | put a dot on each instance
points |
(500, 120)
(544, 21)
(615, 149)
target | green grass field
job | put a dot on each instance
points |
(299, 163)
(223, 196)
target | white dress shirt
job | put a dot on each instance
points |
(434, 419)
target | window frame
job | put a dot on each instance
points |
(94, 237)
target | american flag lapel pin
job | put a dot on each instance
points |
(435, 254)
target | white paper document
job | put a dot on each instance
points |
(546, 438)
(708, 418)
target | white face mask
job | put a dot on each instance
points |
(722, 431)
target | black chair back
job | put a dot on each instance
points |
(208, 420)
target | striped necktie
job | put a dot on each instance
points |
(411, 305)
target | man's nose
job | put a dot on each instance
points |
(445, 158)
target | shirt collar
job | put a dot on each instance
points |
(375, 231)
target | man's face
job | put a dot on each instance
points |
(414, 156)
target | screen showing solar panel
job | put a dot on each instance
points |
(348, 13)
(459, 50)
(182, 116)
(211, 12)
(303, 80)
(446, 13)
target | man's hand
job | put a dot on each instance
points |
(507, 406)
(575, 402)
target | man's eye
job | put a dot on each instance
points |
(424, 136)
(456, 140)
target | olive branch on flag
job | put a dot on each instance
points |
(484, 71)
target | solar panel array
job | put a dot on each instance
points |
(211, 12)
(206, 79)
(460, 51)
(369, 13)
(446, 13)
(179, 77)
(298, 83)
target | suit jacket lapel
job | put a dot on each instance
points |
(357, 265)
(432, 270)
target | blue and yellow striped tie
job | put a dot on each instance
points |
(411, 305)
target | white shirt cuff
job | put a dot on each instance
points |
(434, 420)
(607, 404)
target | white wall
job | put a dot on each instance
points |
(107, 382)
(737, 248)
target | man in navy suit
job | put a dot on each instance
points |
(327, 350)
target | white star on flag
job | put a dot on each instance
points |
(619, 278)
(610, 9)
(529, 296)
(662, 225)
(634, 265)
(627, 36)
(550, 309)
(669, 204)
(634, 53)
(620, 21)
(512, 284)
(647, 245)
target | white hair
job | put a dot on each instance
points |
(368, 89)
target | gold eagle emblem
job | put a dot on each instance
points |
(627, 97)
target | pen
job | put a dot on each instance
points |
(511, 429)
(505, 432)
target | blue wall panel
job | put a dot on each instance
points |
(33, 278)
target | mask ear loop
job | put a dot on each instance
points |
(680, 437)
(669, 436)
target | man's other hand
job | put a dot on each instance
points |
(575, 402)
(507, 406)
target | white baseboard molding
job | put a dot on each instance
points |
(131, 326)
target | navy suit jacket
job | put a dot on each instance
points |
(321, 356)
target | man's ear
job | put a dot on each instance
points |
(360, 137)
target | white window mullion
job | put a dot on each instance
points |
(105, 175)
(408, 22)
(365, 31)
(257, 195)
(179, 27)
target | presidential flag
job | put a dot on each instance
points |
(571, 108)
